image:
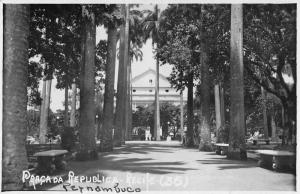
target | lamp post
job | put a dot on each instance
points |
(57, 121)
(96, 131)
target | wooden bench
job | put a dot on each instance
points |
(277, 159)
(261, 140)
(51, 160)
(221, 148)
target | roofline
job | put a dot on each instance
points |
(145, 72)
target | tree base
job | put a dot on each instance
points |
(206, 147)
(13, 187)
(237, 154)
(117, 143)
(85, 155)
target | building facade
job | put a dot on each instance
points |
(143, 90)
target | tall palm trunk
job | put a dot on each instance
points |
(43, 121)
(190, 111)
(119, 121)
(237, 148)
(222, 104)
(129, 107)
(47, 102)
(217, 110)
(157, 133)
(181, 111)
(266, 131)
(15, 58)
(87, 88)
(73, 105)
(157, 112)
(66, 115)
(108, 110)
(205, 135)
(126, 74)
(45, 114)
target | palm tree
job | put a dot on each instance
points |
(126, 75)
(265, 118)
(108, 110)
(120, 105)
(134, 52)
(73, 105)
(128, 42)
(237, 148)
(135, 42)
(45, 108)
(190, 111)
(219, 109)
(205, 140)
(43, 120)
(15, 57)
(151, 26)
(87, 149)
(66, 112)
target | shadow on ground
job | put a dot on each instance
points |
(226, 164)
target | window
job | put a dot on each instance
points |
(167, 90)
(133, 90)
(150, 81)
(150, 90)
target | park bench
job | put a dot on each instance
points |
(31, 149)
(277, 159)
(221, 148)
(50, 160)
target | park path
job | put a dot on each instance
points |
(167, 166)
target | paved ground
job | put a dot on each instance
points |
(167, 166)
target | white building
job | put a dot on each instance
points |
(143, 90)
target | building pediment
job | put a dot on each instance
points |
(147, 79)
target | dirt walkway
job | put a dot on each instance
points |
(166, 166)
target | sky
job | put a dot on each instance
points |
(138, 67)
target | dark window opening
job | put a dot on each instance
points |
(134, 90)
(167, 90)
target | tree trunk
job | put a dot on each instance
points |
(237, 147)
(190, 112)
(222, 106)
(181, 112)
(157, 112)
(43, 121)
(126, 75)
(47, 102)
(273, 126)
(129, 131)
(66, 116)
(108, 110)
(73, 105)
(218, 111)
(205, 135)
(87, 91)
(265, 118)
(119, 121)
(15, 58)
